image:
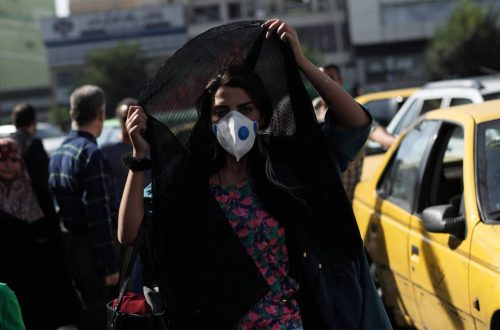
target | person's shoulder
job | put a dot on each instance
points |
(5, 290)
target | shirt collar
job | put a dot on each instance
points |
(88, 136)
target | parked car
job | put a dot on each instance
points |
(51, 135)
(6, 130)
(384, 105)
(110, 132)
(433, 95)
(430, 220)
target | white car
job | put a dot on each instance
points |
(51, 135)
(433, 95)
(444, 94)
(437, 95)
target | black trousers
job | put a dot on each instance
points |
(88, 277)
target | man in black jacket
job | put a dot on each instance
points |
(34, 154)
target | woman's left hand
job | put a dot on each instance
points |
(286, 33)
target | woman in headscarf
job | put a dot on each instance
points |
(29, 251)
(253, 229)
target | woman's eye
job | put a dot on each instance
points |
(220, 112)
(246, 110)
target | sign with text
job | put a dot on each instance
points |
(113, 23)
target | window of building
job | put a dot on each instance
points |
(297, 6)
(205, 14)
(395, 68)
(234, 10)
(66, 79)
(319, 38)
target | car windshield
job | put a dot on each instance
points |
(491, 96)
(488, 169)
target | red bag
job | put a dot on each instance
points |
(133, 303)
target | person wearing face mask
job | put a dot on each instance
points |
(251, 225)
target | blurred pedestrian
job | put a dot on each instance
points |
(379, 134)
(35, 157)
(10, 312)
(356, 90)
(333, 71)
(114, 152)
(30, 252)
(81, 181)
(352, 175)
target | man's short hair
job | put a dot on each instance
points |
(331, 66)
(85, 103)
(334, 67)
(23, 115)
(123, 105)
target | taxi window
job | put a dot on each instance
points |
(488, 169)
(443, 181)
(381, 110)
(491, 96)
(415, 111)
(459, 101)
(412, 108)
(430, 104)
(400, 180)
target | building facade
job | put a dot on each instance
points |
(24, 73)
(159, 30)
(322, 24)
(389, 38)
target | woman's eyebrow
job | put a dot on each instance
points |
(244, 104)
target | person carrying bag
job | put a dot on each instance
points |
(132, 310)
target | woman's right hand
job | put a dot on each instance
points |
(136, 125)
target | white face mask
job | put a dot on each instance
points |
(236, 133)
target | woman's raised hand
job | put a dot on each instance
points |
(286, 33)
(136, 125)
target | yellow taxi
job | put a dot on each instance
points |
(383, 106)
(430, 220)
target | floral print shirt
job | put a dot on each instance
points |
(264, 239)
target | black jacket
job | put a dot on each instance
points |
(208, 278)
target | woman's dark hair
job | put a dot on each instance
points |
(241, 77)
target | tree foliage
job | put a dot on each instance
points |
(467, 44)
(121, 72)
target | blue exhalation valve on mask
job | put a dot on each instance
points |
(236, 133)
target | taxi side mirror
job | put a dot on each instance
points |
(443, 219)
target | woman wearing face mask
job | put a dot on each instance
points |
(245, 231)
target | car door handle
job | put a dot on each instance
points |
(414, 250)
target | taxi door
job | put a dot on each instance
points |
(440, 261)
(388, 232)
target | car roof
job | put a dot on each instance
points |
(480, 112)
(485, 84)
(404, 92)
